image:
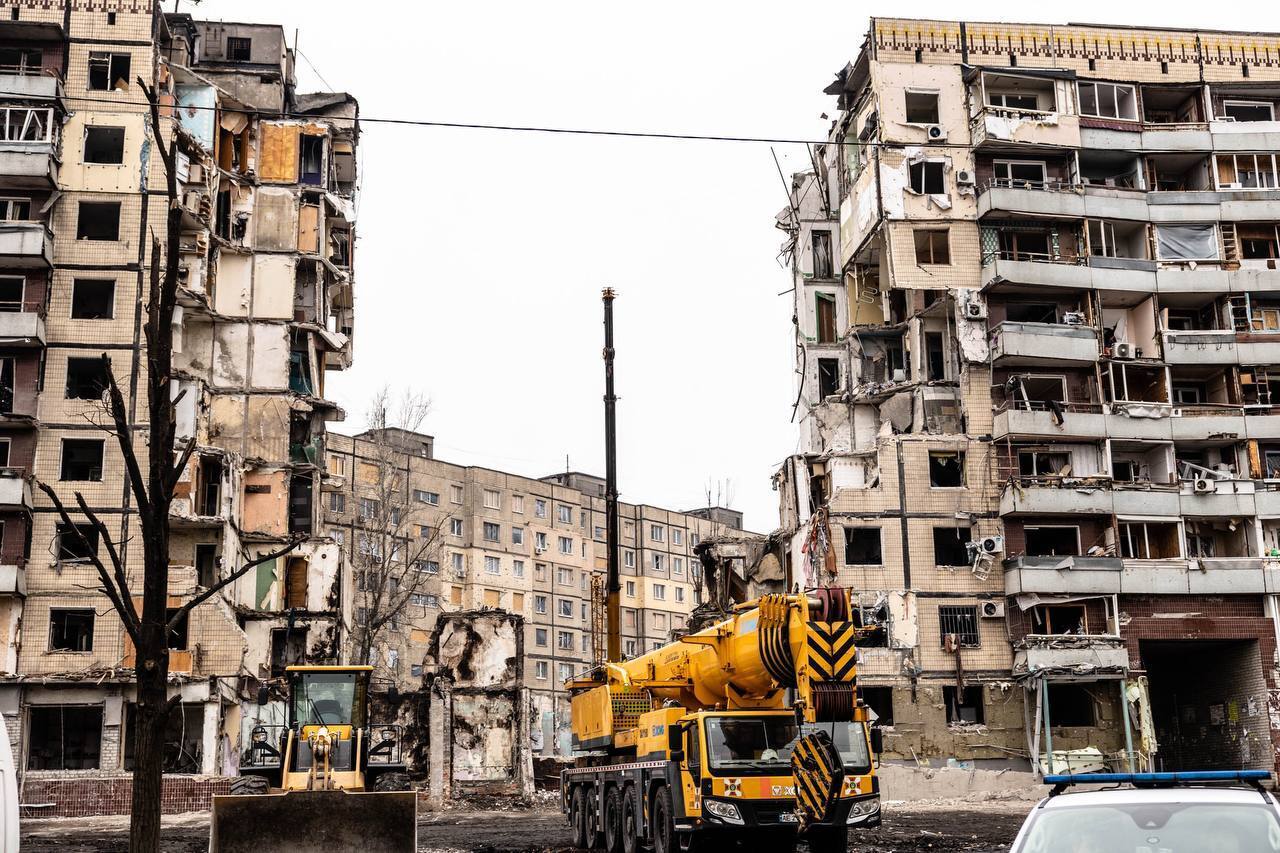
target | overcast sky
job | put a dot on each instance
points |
(481, 255)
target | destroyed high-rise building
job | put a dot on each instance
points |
(266, 181)
(1037, 311)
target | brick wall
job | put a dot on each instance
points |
(98, 795)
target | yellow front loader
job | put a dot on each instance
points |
(327, 780)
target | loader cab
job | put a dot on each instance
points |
(334, 697)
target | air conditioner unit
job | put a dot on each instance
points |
(991, 544)
(936, 133)
(1203, 486)
(974, 310)
(1073, 318)
(965, 178)
(899, 375)
(1123, 350)
(992, 610)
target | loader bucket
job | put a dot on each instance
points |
(315, 822)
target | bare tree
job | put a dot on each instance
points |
(152, 490)
(397, 536)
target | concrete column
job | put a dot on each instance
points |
(524, 752)
(440, 750)
(210, 745)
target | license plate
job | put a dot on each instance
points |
(788, 817)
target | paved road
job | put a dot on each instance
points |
(986, 828)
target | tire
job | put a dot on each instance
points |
(664, 822)
(828, 839)
(578, 817)
(394, 781)
(630, 821)
(595, 835)
(242, 786)
(613, 821)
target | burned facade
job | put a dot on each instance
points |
(266, 183)
(1037, 310)
(532, 547)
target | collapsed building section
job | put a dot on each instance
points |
(1034, 282)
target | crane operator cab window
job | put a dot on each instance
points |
(743, 746)
(329, 698)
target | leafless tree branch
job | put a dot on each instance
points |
(190, 605)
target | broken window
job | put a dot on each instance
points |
(288, 648)
(1031, 312)
(1137, 384)
(1058, 619)
(828, 377)
(295, 583)
(86, 379)
(64, 737)
(183, 739)
(82, 458)
(1042, 463)
(922, 107)
(71, 546)
(206, 560)
(239, 49)
(946, 469)
(300, 491)
(1246, 171)
(311, 160)
(209, 495)
(98, 220)
(1052, 541)
(825, 310)
(1071, 705)
(950, 546)
(935, 355)
(7, 387)
(960, 621)
(1146, 540)
(822, 266)
(1108, 100)
(1013, 100)
(1248, 111)
(178, 633)
(862, 546)
(1021, 173)
(23, 61)
(26, 124)
(71, 630)
(300, 372)
(963, 707)
(932, 247)
(104, 145)
(880, 701)
(927, 177)
(15, 209)
(1187, 241)
(108, 71)
(93, 299)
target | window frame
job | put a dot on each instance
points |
(931, 247)
(1115, 99)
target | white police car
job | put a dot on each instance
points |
(1214, 811)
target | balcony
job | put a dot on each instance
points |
(1092, 656)
(25, 245)
(15, 490)
(1078, 420)
(29, 87)
(1042, 344)
(1062, 200)
(1127, 275)
(13, 580)
(1149, 138)
(1112, 576)
(21, 328)
(1000, 126)
(1060, 575)
(1057, 496)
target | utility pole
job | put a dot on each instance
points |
(612, 585)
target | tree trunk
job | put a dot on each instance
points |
(149, 732)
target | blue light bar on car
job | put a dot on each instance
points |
(1158, 778)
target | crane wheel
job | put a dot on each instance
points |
(630, 820)
(828, 839)
(664, 823)
(578, 817)
(613, 821)
(242, 786)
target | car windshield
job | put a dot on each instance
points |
(1155, 828)
(764, 744)
(328, 698)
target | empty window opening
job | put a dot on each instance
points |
(209, 486)
(1043, 463)
(239, 49)
(828, 377)
(64, 737)
(822, 266)
(109, 71)
(295, 583)
(87, 379)
(82, 458)
(928, 177)
(76, 542)
(932, 247)
(922, 107)
(1137, 384)
(23, 61)
(825, 308)
(15, 209)
(1108, 100)
(98, 220)
(951, 546)
(1146, 540)
(206, 560)
(1058, 619)
(1031, 312)
(1052, 541)
(288, 647)
(963, 707)
(104, 145)
(300, 492)
(1020, 173)
(946, 469)
(311, 159)
(862, 546)
(71, 630)
(183, 739)
(880, 700)
(1071, 705)
(1248, 110)
(7, 387)
(935, 354)
(178, 633)
(93, 299)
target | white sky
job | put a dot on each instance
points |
(481, 255)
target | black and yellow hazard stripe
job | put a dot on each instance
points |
(832, 651)
(818, 774)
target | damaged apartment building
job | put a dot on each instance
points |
(534, 548)
(266, 181)
(1037, 311)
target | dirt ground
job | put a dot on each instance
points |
(935, 827)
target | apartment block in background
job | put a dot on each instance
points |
(533, 547)
(264, 312)
(1037, 317)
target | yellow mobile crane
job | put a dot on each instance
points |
(751, 727)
